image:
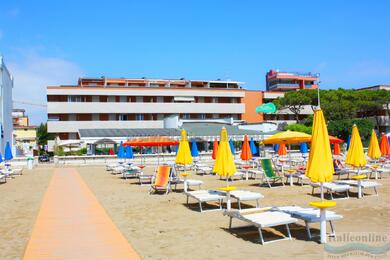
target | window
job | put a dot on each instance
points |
(185, 116)
(76, 99)
(202, 116)
(122, 117)
(139, 117)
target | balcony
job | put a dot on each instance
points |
(284, 86)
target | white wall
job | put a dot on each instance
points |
(170, 108)
(74, 126)
(6, 85)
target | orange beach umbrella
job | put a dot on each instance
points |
(384, 145)
(282, 149)
(246, 153)
(215, 149)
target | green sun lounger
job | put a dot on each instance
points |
(269, 174)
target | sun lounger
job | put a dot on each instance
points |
(269, 173)
(332, 187)
(132, 171)
(364, 184)
(204, 196)
(160, 181)
(203, 169)
(263, 218)
(243, 195)
(213, 195)
(310, 215)
(3, 178)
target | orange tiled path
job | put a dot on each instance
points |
(71, 224)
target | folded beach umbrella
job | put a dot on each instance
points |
(282, 149)
(319, 167)
(253, 146)
(8, 152)
(303, 148)
(215, 149)
(336, 149)
(384, 145)
(129, 152)
(1, 158)
(348, 142)
(355, 155)
(224, 163)
(184, 156)
(246, 153)
(373, 148)
(121, 151)
(320, 164)
(276, 147)
(232, 146)
(194, 149)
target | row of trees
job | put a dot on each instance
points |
(342, 109)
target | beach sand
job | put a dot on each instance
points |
(19, 205)
(163, 227)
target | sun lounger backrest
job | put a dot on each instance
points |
(162, 176)
(267, 167)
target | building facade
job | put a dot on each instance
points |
(290, 81)
(25, 135)
(6, 86)
(106, 103)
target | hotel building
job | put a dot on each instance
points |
(119, 103)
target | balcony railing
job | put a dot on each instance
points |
(284, 85)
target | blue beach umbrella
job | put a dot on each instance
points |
(303, 148)
(121, 151)
(129, 152)
(348, 141)
(232, 146)
(1, 158)
(253, 146)
(276, 148)
(8, 153)
(176, 148)
(194, 149)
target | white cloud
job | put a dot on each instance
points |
(33, 73)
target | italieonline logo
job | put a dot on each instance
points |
(369, 245)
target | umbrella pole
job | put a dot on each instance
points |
(322, 218)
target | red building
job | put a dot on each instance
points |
(290, 81)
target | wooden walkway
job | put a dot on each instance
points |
(72, 224)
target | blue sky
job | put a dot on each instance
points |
(55, 42)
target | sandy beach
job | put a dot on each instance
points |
(19, 205)
(163, 227)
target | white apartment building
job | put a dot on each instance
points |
(103, 103)
(6, 85)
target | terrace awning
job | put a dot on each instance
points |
(151, 141)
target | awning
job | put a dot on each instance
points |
(151, 141)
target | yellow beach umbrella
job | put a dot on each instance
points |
(184, 153)
(320, 164)
(224, 163)
(288, 137)
(373, 149)
(355, 155)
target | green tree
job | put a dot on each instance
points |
(42, 135)
(299, 128)
(294, 101)
(343, 128)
